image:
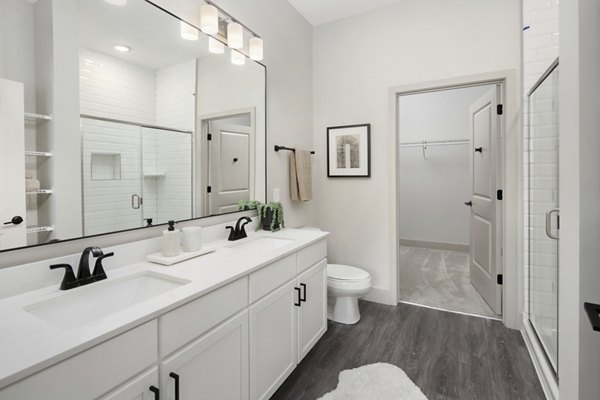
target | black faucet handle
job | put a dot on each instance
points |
(232, 234)
(69, 281)
(99, 272)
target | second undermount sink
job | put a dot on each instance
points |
(90, 303)
(261, 244)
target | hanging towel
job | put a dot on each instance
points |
(300, 176)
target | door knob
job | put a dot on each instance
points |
(469, 203)
(16, 220)
(479, 149)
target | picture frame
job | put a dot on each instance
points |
(349, 151)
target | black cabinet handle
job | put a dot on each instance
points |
(16, 220)
(303, 298)
(593, 312)
(469, 203)
(176, 378)
(297, 303)
(156, 392)
(479, 149)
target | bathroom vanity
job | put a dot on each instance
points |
(232, 324)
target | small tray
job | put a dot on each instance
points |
(158, 258)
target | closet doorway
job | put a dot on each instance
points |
(449, 193)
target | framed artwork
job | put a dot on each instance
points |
(349, 151)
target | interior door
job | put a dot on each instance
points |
(229, 159)
(12, 165)
(485, 262)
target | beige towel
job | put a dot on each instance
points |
(300, 176)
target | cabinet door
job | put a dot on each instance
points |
(312, 314)
(138, 388)
(272, 340)
(213, 367)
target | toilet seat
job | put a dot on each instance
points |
(346, 273)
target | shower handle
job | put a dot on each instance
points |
(549, 223)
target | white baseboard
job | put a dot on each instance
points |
(434, 245)
(378, 295)
(542, 366)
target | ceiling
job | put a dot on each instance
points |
(319, 12)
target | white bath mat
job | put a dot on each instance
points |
(375, 382)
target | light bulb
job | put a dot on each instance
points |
(235, 35)
(237, 58)
(215, 47)
(256, 48)
(209, 19)
(188, 32)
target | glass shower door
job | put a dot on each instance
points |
(543, 214)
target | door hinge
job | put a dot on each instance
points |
(499, 194)
(499, 279)
(208, 189)
(499, 109)
(209, 136)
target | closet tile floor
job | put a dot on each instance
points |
(449, 356)
(439, 278)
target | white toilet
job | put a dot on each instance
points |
(345, 284)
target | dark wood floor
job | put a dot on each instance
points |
(449, 356)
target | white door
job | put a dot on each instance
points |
(230, 166)
(272, 340)
(140, 388)
(486, 223)
(12, 165)
(213, 367)
(312, 314)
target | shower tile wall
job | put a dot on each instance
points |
(540, 49)
(112, 88)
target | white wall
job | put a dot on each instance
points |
(356, 62)
(432, 190)
(579, 272)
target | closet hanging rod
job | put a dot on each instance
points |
(435, 143)
(277, 148)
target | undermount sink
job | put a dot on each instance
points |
(261, 244)
(90, 303)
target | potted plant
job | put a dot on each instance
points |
(270, 216)
(244, 205)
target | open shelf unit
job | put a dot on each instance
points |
(39, 229)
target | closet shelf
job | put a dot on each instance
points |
(40, 191)
(38, 153)
(37, 117)
(38, 229)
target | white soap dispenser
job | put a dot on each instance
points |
(171, 245)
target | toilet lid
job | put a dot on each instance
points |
(346, 273)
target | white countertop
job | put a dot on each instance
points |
(29, 344)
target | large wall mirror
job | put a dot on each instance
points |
(115, 115)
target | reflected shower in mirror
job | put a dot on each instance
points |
(121, 117)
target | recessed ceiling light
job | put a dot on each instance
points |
(122, 48)
(117, 2)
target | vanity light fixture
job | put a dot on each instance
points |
(209, 19)
(117, 2)
(122, 48)
(188, 32)
(256, 48)
(214, 46)
(237, 58)
(235, 35)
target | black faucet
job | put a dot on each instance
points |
(83, 273)
(239, 232)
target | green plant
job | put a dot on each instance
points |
(248, 204)
(277, 221)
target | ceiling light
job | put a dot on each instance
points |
(235, 35)
(237, 58)
(214, 46)
(256, 48)
(209, 19)
(188, 32)
(117, 2)
(122, 48)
